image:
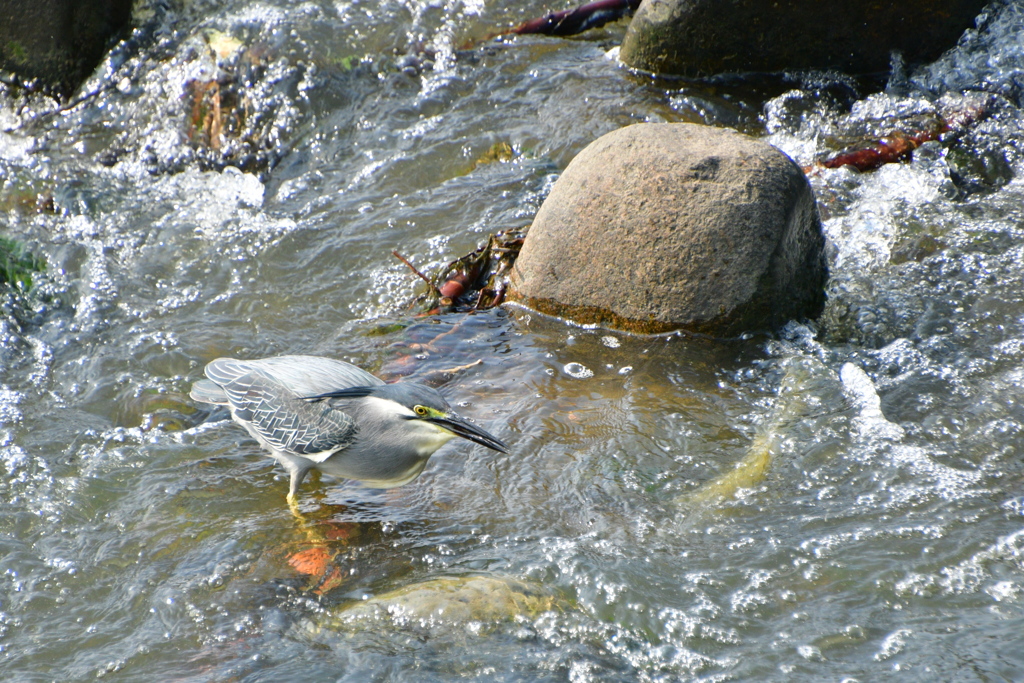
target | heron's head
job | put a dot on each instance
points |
(421, 406)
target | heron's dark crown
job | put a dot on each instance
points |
(410, 394)
(407, 394)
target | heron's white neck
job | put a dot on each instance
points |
(427, 437)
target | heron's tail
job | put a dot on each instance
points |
(206, 391)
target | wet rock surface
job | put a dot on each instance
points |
(656, 227)
(703, 37)
(452, 601)
(58, 42)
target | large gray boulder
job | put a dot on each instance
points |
(658, 227)
(703, 37)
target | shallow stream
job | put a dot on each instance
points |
(843, 501)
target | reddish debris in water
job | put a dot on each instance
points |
(477, 281)
(311, 561)
(886, 151)
(579, 19)
(900, 146)
(455, 287)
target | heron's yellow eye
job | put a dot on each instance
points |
(420, 410)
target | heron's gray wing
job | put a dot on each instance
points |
(312, 375)
(274, 411)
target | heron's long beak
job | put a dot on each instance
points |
(467, 430)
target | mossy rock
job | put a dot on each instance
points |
(17, 265)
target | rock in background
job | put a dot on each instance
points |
(703, 37)
(656, 227)
(57, 43)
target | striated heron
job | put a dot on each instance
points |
(318, 413)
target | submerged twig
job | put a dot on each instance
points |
(430, 283)
(436, 378)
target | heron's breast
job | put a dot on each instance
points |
(379, 471)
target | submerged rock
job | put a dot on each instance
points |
(704, 37)
(657, 227)
(446, 602)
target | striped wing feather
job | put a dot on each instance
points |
(267, 393)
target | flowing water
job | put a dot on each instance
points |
(844, 501)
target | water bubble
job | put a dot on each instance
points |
(1003, 590)
(578, 370)
(611, 342)
(893, 644)
(810, 653)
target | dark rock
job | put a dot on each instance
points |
(656, 227)
(58, 42)
(704, 37)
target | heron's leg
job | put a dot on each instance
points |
(298, 474)
(313, 534)
(297, 470)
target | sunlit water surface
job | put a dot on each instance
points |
(843, 501)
